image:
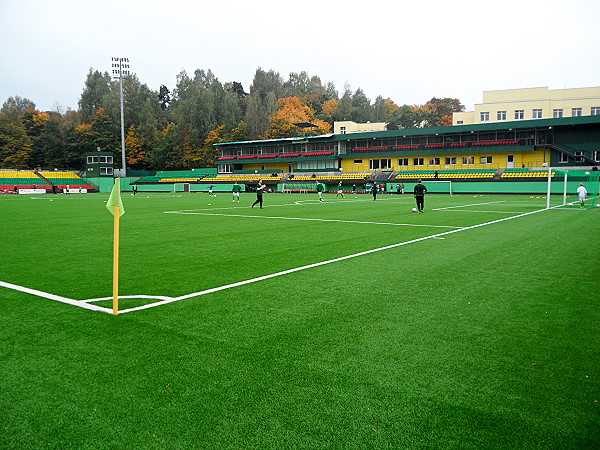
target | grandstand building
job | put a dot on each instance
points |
(521, 144)
(531, 103)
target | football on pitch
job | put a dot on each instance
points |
(414, 210)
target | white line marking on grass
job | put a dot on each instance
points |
(479, 211)
(165, 299)
(322, 263)
(99, 299)
(315, 220)
(466, 206)
(54, 297)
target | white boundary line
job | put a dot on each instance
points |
(85, 303)
(54, 297)
(313, 219)
(466, 206)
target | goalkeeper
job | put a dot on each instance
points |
(582, 192)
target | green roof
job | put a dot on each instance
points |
(478, 127)
(291, 139)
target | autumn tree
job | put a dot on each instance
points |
(135, 154)
(438, 111)
(405, 117)
(15, 144)
(293, 110)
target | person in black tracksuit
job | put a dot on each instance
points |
(419, 193)
(374, 190)
(260, 187)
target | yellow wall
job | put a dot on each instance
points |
(353, 127)
(529, 99)
(535, 158)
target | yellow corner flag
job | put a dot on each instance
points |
(115, 206)
(115, 199)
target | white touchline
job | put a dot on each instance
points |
(54, 297)
(315, 220)
(165, 299)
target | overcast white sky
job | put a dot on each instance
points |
(407, 51)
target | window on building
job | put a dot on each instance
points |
(557, 113)
(342, 130)
(451, 161)
(501, 115)
(380, 164)
(92, 159)
(434, 161)
(578, 155)
(575, 112)
(403, 161)
(460, 122)
(562, 158)
(519, 114)
(596, 155)
(485, 159)
(466, 160)
(418, 161)
(595, 111)
(106, 170)
(484, 116)
(105, 159)
(537, 114)
(358, 161)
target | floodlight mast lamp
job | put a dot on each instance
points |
(120, 69)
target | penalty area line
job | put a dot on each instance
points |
(322, 263)
(315, 219)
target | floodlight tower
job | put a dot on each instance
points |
(120, 69)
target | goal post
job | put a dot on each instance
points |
(439, 187)
(562, 187)
(181, 187)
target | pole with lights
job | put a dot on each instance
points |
(120, 69)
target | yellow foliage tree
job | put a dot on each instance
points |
(293, 110)
(135, 154)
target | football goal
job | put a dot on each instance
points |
(563, 185)
(302, 188)
(438, 187)
(181, 187)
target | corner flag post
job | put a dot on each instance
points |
(115, 207)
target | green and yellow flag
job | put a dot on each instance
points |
(115, 199)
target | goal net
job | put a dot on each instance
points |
(181, 187)
(563, 184)
(438, 187)
(301, 188)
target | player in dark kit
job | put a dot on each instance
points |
(374, 190)
(419, 192)
(260, 188)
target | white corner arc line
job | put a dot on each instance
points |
(322, 263)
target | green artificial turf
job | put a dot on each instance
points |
(482, 338)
